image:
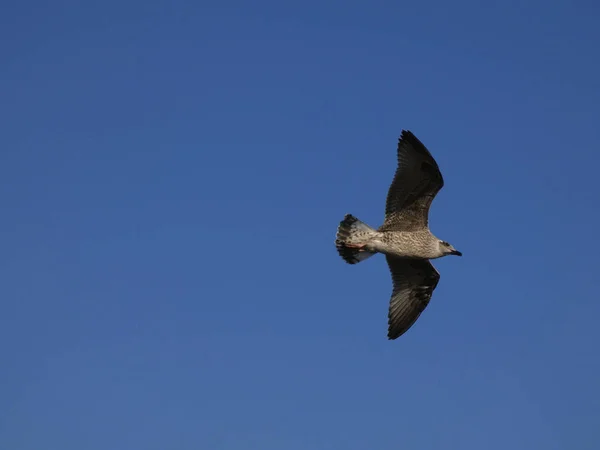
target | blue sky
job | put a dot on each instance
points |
(172, 175)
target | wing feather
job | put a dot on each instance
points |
(416, 182)
(414, 282)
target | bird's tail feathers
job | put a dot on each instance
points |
(351, 234)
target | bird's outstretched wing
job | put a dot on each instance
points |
(414, 281)
(416, 182)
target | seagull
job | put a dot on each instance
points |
(404, 238)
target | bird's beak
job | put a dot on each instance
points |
(456, 252)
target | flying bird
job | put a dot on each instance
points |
(404, 238)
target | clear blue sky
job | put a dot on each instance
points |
(171, 179)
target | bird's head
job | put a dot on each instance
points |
(447, 249)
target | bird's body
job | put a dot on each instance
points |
(406, 244)
(404, 238)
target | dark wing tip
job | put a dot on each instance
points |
(399, 325)
(408, 138)
(406, 134)
(409, 142)
(394, 334)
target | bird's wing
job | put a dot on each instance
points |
(414, 281)
(416, 182)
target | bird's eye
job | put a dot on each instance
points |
(445, 243)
